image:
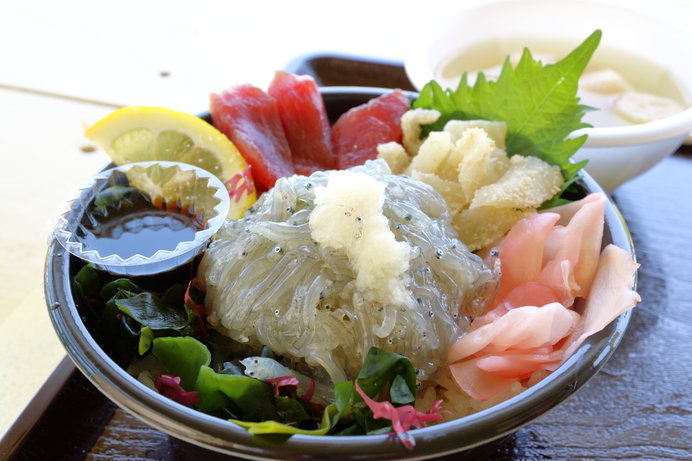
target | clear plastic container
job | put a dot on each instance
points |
(143, 218)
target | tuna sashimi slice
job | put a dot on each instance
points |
(305, 122)
(358, 132)
(250, 119)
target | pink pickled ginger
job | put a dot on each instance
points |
(548, 260)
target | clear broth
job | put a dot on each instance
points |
(644, 75)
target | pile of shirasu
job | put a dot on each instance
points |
(268, 282)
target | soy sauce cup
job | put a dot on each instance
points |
(143, 218)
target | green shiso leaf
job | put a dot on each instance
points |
(538, 102)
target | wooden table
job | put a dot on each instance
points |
(638, 406)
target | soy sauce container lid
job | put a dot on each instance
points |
(143, 218)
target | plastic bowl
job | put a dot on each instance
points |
(652, 55)
(468, 434)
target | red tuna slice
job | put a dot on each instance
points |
(305, 122)
(356, 134)
(250, 119)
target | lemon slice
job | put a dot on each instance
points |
(139, 134)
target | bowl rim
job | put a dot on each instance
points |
(418, 68)
(679, 124)
(222, 436)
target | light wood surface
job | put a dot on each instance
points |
(65, 64)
